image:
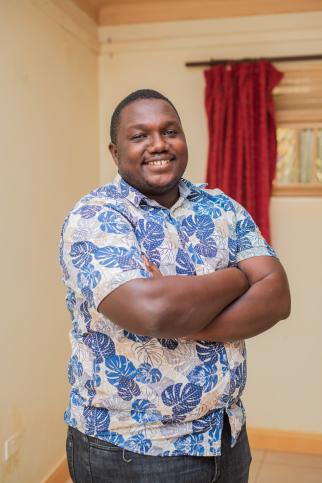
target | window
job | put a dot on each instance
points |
(298, 101)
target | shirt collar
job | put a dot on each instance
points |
(186, 190)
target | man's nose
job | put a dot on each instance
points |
(158, 143)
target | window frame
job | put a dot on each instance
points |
(298, 118)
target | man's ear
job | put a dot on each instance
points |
(113, 150)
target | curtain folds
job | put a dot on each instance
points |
(242, 134)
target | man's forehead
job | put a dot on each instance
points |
(141, 110)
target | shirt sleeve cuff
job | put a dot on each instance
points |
(255, 252)
(109, 285)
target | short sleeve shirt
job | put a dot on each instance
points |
(155, 396)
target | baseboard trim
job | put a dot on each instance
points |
(285, 441)
(58, 474)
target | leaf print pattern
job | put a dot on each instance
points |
(127, 388)
(108, 191)
(189, 226)
(173, 419)
(195, 257)
(149, 352)
(101, 345)
(89, 385)
(110, 256)
(211, 352)
(84, 311)
(144, 412)
(97, 420)
(207, 248)
(111, 223)
(154, 257)
(138, 443)
(209, 209)
(82, 253)
(71, 301)
(88, 277)
(150, 234)
(169, 343)
(75, 369)
(116, 439)
(135, 337)
(88, 211)
(244, 244)
(191, 444)
(182, 399)
(238, 378)
(147, 374)
(204, 227)
(223, 202)
(75, 398)
(119, 366)
(209, 421)
(204, 376)
(184, 264)
(232, 246)
(122, 381)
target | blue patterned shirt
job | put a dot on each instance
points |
(154, 396)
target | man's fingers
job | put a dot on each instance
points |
(151, 268)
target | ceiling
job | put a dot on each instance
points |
(118, 12)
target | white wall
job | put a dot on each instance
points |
(49, 158)
(284, 388)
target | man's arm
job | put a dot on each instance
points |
(265, 303)
(173, 306)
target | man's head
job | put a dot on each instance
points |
(148, 144)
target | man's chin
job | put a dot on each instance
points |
(160, 186)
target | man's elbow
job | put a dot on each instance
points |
(136, 307)
(280, 295)
(283, 303)
(150, 320)
(158, 319)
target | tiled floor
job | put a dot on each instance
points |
(270, 467)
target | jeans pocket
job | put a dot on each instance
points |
(103, 445)
(70, 454)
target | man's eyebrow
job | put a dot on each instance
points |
(144, 126)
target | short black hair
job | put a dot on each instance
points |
(134, 96)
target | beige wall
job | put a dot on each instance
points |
(284, 388)
(49, 158)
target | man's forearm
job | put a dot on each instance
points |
(173, 306)
(262, 306)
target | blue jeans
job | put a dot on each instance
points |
(92, 460)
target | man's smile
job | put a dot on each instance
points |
(158, 164)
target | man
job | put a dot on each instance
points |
(164, 281)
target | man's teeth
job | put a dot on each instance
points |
(159, 162)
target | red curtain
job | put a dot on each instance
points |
(242, 134)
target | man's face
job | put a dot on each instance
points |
(151, 151)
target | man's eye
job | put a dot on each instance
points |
(137, 137)
(170, 132)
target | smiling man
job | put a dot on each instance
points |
(165, 280)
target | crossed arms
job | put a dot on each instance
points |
(226, 305)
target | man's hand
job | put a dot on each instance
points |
(155, 272)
